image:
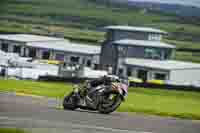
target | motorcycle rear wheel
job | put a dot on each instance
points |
(70, 102)
(111, 108)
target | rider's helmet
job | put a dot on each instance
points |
(115, 78)
(125, 81)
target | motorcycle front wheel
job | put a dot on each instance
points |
(110, 101)
(70, 102)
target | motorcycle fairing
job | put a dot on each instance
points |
(121, 88)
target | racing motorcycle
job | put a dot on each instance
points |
(104, 95)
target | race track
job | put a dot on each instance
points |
(39, 114)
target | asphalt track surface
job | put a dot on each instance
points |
(40, 115)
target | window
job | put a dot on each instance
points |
(16, 49)
(122, 51)
(160, 76)
(129, 71)
(74, 59)
(153, 53)
(60, 57)
(96, 66)
(142, 74)
(32, 52)
(4, 47)
(89, 63)
(155, 37)
(46, 55)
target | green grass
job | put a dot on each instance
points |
(86, 12)
(69, 32)
(11, 130)
(187, 56)
(83, 15)
(163, 102)
(179, 104)
(36, 88)
(178, 28)
(184, 44)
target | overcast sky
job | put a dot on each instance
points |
(185, 2)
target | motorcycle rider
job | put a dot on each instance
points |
(105, 80)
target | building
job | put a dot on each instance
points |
(50, 48)
(140, 53)
(116, 35)
(171, 71)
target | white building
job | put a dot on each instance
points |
(170, 71)
(50, 48)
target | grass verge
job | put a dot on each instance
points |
(173, 103)
(163, 102)
(57, 90)
(11, 130)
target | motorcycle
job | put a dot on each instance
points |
(105, 97)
